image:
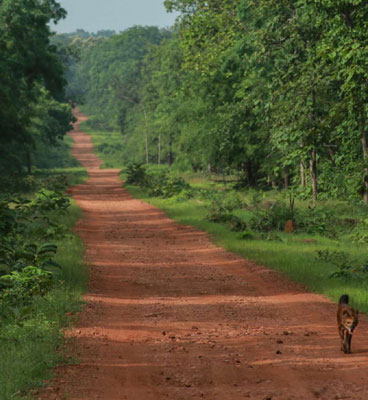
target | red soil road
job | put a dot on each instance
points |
(171, 316)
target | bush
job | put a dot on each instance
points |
(136, 175)
(49, 200)
(16, 255)
(219, 210)
(236, 224)
(57, 183)
(222, 205)
(20, 287)
(315, 220)
(167, 185)
(108, 148)
(159, 181)
(360, 232)
(274, 218)
(26, 261)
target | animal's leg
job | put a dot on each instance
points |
(346, 340)
(341, 333)
(349, 336)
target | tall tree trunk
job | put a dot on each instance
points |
(313, 174)
(302, 174)
(286, 179)
(159, 149)
(171, 157)
(313, 160)
(29, 163)
(365, 178)
(146, 135)
(146, 145)
(249, 168)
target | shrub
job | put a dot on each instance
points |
(17, 255)
(221, 209)
(347, 267)
(360, 232)
(108, 148)
(136, 175)
(19, 287)
(274, 218)
(218, 210)
(236, 224)
(57, 183)
(315, 220)
(159, 181)
(49, 200)
(169, 185)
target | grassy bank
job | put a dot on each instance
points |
(31, 334)
(29, 343)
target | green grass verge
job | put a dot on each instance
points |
(28, 348)
(291, 256)
(31, 346)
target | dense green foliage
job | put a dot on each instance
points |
(272, 91)
(35, 304)
(27, 229)
(33, 109)
(159, 181)
(41, 272)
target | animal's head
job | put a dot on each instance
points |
(350, 319)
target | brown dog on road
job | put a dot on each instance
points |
(347, 320)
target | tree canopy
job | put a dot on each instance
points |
(32, 81)
(274, 91)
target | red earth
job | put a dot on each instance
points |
(169, 315)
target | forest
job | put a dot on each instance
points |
(247, 119)
(274, 92)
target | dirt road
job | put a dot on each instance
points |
(172, 316)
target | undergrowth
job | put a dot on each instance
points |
(42, 277)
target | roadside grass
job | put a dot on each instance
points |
(293, 255)
(32, 346)
(32, 340)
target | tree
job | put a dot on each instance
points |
(27, 60)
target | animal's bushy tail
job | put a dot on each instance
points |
(344, 299)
